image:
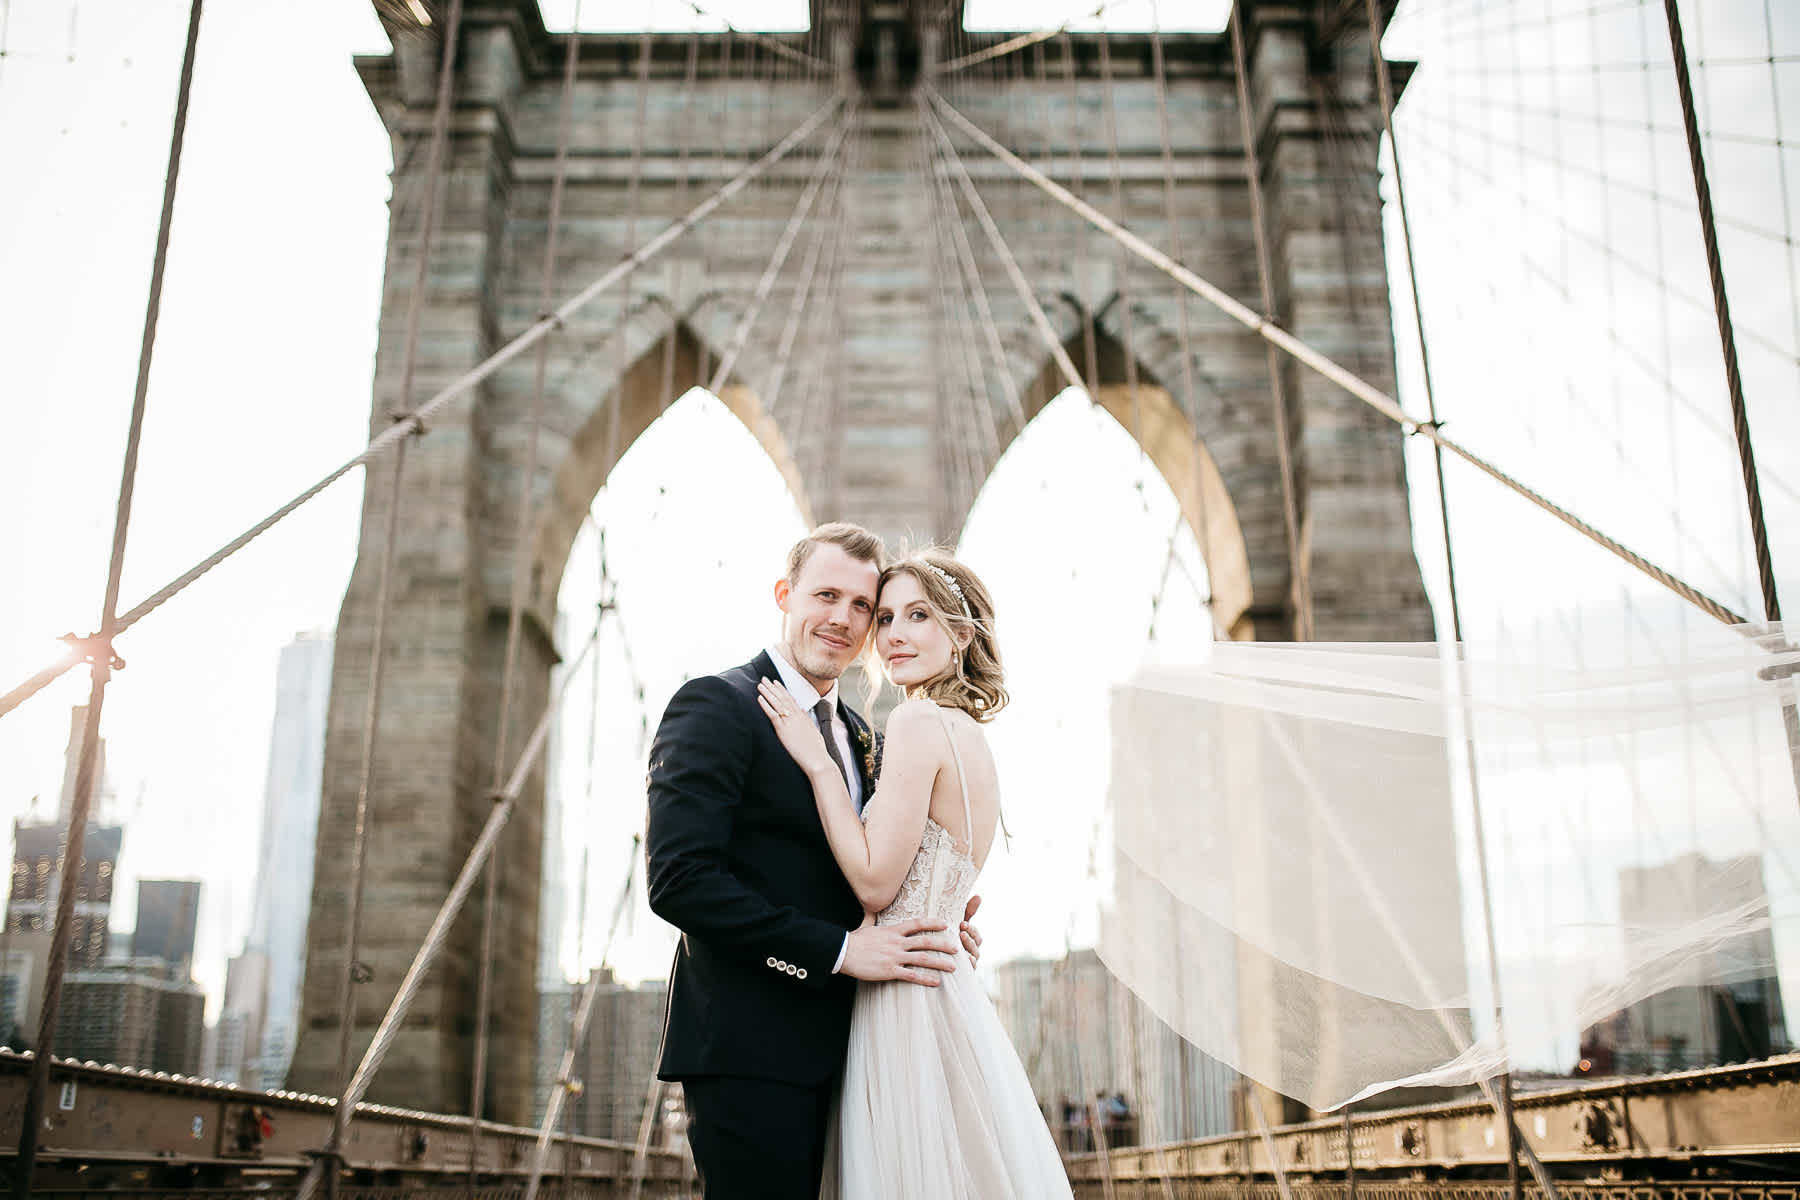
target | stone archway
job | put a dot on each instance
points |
(878, 456)
(1150, 415)
(662, 372)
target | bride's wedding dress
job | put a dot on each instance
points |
(936, 1102)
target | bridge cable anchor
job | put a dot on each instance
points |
(94, 649)
(409, 418)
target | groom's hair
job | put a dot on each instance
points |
(853, 540)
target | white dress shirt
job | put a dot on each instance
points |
(807, 696)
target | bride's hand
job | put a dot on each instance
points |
(794, 727)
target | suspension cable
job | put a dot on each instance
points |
(961, 265)
(794, 409)
(1299, 567)
(773, 384)
(415, 421)
(767, 41)
(565, 1074)
(1734, 384)
(837, 392)
(1254, 1104)
(521, 563)
(633, 193)
(740, 335)
(955, 391)
(1127, 335)
(952, 483)
(1514, 1135)
(1509, 185)
(790, 330)
(1190, 397)
(977, 441)
(1356, 386)
(504, 803)
(1084, 313)
(821, 402)
(1021, 42)
(350, 971)
(684, 155)
(103, 661)
(1039, 319)
(802, 404)
(1656, 275)
(978, 294)
(1115, 169)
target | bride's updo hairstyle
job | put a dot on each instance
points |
(959, 601)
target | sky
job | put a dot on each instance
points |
(1554, 357)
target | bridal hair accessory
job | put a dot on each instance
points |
(955, 588)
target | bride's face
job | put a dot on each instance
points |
(914, 646)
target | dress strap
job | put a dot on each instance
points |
(962, 780)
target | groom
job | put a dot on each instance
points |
(772, 937)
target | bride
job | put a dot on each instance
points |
(935, 1101)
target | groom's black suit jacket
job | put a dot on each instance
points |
(738, 861)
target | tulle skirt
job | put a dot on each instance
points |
(936, 1103)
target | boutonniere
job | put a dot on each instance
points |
(871, 754)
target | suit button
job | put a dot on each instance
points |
(789, 968)
(800, 974)
(773, 963)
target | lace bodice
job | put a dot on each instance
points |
(939, 882)
(942, 876)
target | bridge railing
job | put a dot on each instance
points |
(1726, 1133)
(110, 1129)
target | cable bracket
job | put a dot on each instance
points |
(409, 418)
(94, 650)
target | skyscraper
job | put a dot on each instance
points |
(1695, 1025)
(72, 763)
(136, 1013)
(284, 865)
(37, 880)
(168, 914)
(1079, 1031)
(617, 1059)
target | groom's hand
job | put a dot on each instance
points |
(916, 951)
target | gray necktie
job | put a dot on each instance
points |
(822, 711)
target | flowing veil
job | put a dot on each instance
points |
(1297, 880)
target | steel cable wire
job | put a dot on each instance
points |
(1361, 389)
(1300, 575)
(103, 660)
(526, 501)
(1515, 1139)
(454, 390)
(350, 973)
(503, 804)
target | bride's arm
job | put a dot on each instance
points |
(874, 856)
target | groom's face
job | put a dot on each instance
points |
(826, 613)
